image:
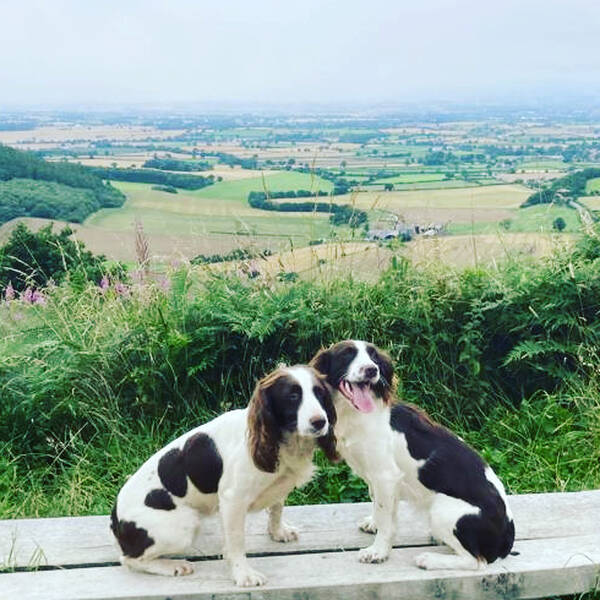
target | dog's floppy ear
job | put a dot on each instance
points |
(386, 386)
(321, 361)
(263, 433)
(328, 442)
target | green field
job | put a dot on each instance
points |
(196, 213)
(275, 181)
(533, 219)
(592, 185)
(412, 178)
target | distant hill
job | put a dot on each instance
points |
(32, 187)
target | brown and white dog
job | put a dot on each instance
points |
(402, 454)
(242, 461)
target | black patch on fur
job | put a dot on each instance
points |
(284, 398)
(454, 469)
(159, 499)
(133, 540)
(334, 362)
(203, 463)
(386, 370)
(171, 471)
(486, 537)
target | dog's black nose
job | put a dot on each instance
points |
(317, 423)
(371, 372)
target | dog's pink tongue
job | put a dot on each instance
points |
(360, 396)
(363, 400)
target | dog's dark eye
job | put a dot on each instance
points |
(295, 394)
(372, 353)
(319, 392)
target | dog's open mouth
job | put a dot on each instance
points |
(359, 394)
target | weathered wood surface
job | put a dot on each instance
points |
(87, 540)
(545, 567)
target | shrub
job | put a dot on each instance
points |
(34, 259)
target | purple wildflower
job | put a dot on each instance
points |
(9, 292)
(164, 283)
(38, 298)
(104, 283)
(121, 289)
(27, 296)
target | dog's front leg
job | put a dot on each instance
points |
(279, 530)
(233, 515)
(383, 520)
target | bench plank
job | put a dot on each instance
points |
(87, 540)
(543, 568)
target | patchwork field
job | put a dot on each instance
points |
(212, 220)
(49, 136)
(366, 260)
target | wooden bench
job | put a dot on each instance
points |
(558, 538)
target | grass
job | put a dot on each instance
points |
(93, 383)
(274, 180)
(592, 202)
(532, 219)
(592, 185)
(491, 197)
(195, 220)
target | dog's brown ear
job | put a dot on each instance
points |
(328, 442)
(321, 361)
(263, 434)
(386, 386)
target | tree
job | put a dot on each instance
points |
(33, 259)
(388, 187)
(559, 224)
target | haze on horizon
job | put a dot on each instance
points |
(68, 52)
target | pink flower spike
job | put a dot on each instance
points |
(164, 283)
(104, 283)
(121, 289)
(27, 296)
(38, 298)
(9, 292)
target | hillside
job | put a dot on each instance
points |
(30, 186)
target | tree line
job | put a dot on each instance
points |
(339, 214)
(173, 164)
(179, 180)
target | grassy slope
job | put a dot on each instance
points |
(107, 381)
(532, 219)
(224, 211)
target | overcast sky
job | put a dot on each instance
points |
(236, 51)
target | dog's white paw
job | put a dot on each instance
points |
(182, 567)
(249, 578)
(285, 533)
(373, 554)
(368, 525)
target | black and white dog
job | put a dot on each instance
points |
(244, 460)
(402, 454)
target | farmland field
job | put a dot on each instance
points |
(212, 220)
(593, 185)
(366, 260)
(537, 218)
(592, 202)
